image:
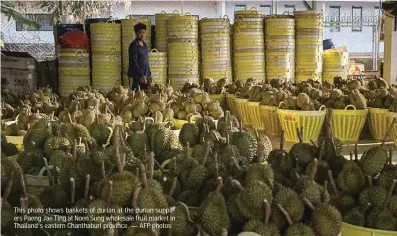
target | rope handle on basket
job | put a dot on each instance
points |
(189, 23)
(154, 50)
(322, 108)
(281, 104)
(40, 175)
(236, 94)
(352, 106)
(175, 12)
(188, 14)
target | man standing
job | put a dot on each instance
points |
(138, 71)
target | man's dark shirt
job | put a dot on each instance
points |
(139, 64)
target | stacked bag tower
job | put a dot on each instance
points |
(183, 50)
(74, 65)
(215, 48)
(309, 45)
(280, 47)
(128, 35)
(106, 54)
(249, 45)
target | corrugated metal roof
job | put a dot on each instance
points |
(40, 51)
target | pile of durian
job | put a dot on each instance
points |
(306, 96)
(211, 87)
(213, 175)
(27, 109)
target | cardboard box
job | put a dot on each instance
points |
(18, 72)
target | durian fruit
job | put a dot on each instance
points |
(326, 220)
(113, 212)
(194, 177)
(250, 198)
(101, 134)
(31, 158)
(380, 217)
(11, 170)
(264, 145)
(226, 123)
(262, 228)
(294, 229)
(150, 195)
(292, 205)
(304, 152)
(124, 182)
(351, 179)
(189, 133)
(373, 195)
(183, 224)
(214, 216)
(280, 160)
(388, 173)
(356, 216)
(373, 161)
(54, 195)
(55, 143)
(322, 167)
(261, 172)
(307, 187)
(245, 142)
(7, 210)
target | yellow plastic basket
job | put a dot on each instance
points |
(17, 140)
(221, 98)
(394, 130)
(255, 116)
(352, 230)
(379, 121)
(311, 121)
(271, 122)
(347, 124)
(230, 103)
(242, 107)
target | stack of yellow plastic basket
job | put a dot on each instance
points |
(280, 47)
(106, 54)
(158, 66)
(161, 30)
(308, 45)
(310, 121)
(183, 50)
(74, 70)
(128, 35)
(249, 45)
(215, 48)
(379, 121)
(335, 63)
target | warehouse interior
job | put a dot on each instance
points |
(198, 118)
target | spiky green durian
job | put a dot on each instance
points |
(60, 158)
(374, 195)
(54, 197)
(381, 219)
(29, 159)
(189, 134)
(373, 161)
(183, 224)
(326, 220)
(101, 134)
(55, 143)
(299, 229)
(214, 216)
(246, 143)
(35, 138)
(351, 179)
(250, 199)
